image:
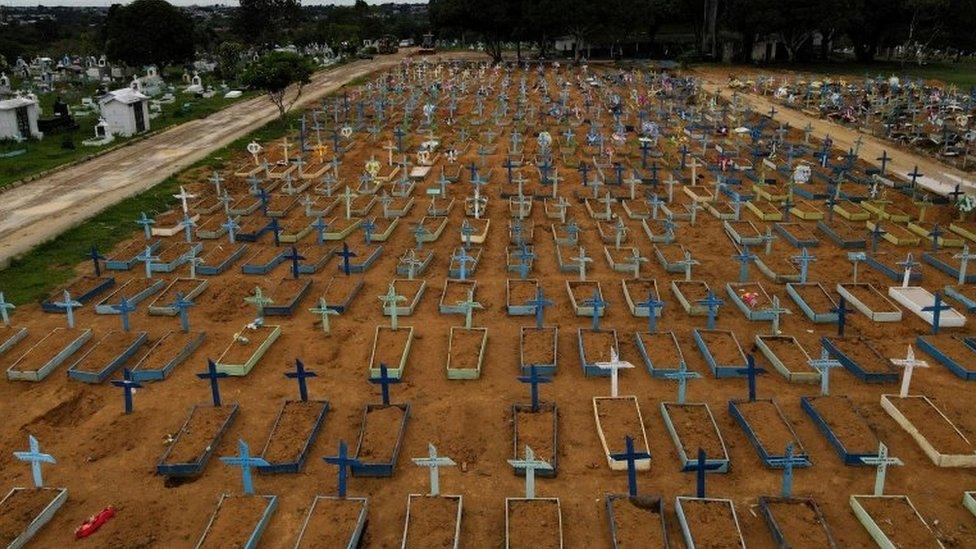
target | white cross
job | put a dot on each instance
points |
(909, 363)
(615, 365)
(434, 463)
(182, 198)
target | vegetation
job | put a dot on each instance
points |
(148, 32)
(275, 72)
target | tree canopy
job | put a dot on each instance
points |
(148, 32)
(276, 71)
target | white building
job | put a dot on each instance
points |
(18, 118)
(125, 111)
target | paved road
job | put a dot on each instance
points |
(42, 209)
(939, 177)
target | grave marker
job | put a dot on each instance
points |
(301, 374)
(68, 305)
(539, 303)
(344, 463)
(881, 461)
(530, 465)
(96, 259)
(246, 462)
(36, 458)
(434, 463)
(631, 457)
(682, 374)
(614, 365)
(324, 312)
(909, 363)
(823, 365)
(534, 379)
(128, 387)
(384, 380)
(213, 376)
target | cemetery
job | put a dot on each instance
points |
(539, 305)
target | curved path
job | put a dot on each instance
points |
(42, 209)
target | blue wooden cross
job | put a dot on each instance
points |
(295, 258)
(884, 159)
(751, 371)
(384, 380)
(275, 228)
(146, 223)
(804, 260)
(598, 304)
(246, 462)
(463, 259)
(525, 257)
(301, 374)
(124, 308)
(231, 227)
(788, 462)
(831, 202)
(936, 309)
(182, 306)
(652, 303)
(263, 197)
(213, 375)
(539, 303)
(701, 467)
(631, 457)
(712, 303)
(346, 254)
(320, 227)
(128, 387)
(5, 308)
(876, 235)
(744, 258)
(934, 235)
(534, 379)
(147, 259)
(682, 374)
(35, 457)
(96, 259)
(68, 305)
(369, 226)
(841, 311)
(344, 463)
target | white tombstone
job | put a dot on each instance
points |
(126, 111)
(18, 118)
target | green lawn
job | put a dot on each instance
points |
(44, 268)
(49, 153)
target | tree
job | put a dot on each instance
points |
(229, 59)
(276, 71)
(263, 22)
(488, 18)
(148, 32)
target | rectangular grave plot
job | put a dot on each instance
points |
(797, 234)
(175, 255)
(843, 234)
(316, 258)
(10, 336)
(219, 258)
(595, 346)
(537, 347)
(293, 230)
(796, 522)
(135, 290)
(721, 351)
(669, 256)
(340, 291)
(380, 438)
(708, 522)
(893, 521)
(435, 228)
(538, 430)
(454, 267)
(211, 228)
(564, 255)
(887, 265)
(292, 436)
(768, 430)
(949, 240)
(777, 268)
(743, 233)
(765, 211)
(969, 501)
(955, 353)
(636, 521)
(82, 290)
(788, 358)
(43, 356)
(384, 228)
(165, 354)
(466, 352)
(244, 206)
(238, 521)
(692, 426)
(413, 290)
(170, 223)
(287, 295)
(30, 509)
(196, 440)
(860, 357)
(435, 521)
(392, 348)
(619, 259)
(636, 291)
(246, 349)
(807, 210)
(365, 256)
(332, 521)
(616, 419)
(934, 432)
(750, 298)
(124, 258)
(442, 208)
(103, 358)
(867, 299)
(252, 228)
(608, 232)
(655, 231)
(162, 305)
(455, 291)
(945, 262)
(340, 227)
(689, 293)
(845, 429)
(814, 301)
(917, 298)
(264, 260)
(721, 210)
(964, 295)
(424, 257)
(535, 522)
(852, 211)
(659, 351)
(580, 292)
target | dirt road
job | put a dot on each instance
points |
(41, 210)
(938, 177)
